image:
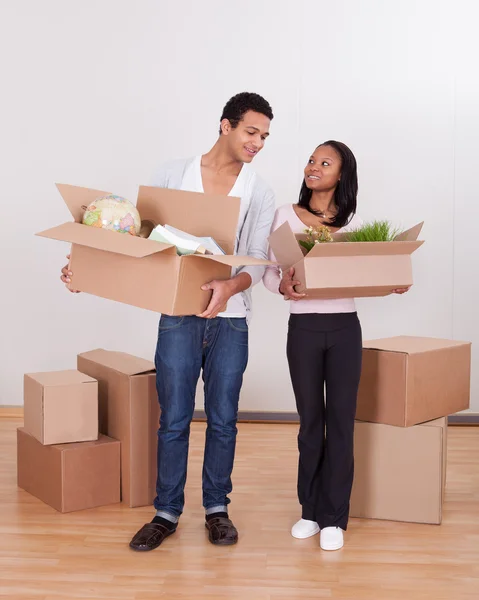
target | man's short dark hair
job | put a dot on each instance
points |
(239, 105)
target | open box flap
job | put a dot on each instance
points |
(78, 198)
(103, 239)
(285, 246)
(204, 215)
(410, 235)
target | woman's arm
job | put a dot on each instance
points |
(274, 280)
(272, 274)
(259, 243)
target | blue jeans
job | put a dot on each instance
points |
(187, 345)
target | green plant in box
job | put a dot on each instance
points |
(375, 231)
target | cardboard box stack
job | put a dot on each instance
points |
(409, 385)
(61, 459)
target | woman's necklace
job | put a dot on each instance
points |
(322, 214)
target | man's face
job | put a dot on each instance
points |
(248, 138)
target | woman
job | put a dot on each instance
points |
(324, 351)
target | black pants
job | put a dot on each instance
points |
(325, 351)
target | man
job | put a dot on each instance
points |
(215, 342)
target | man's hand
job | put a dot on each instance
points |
(66, 276)
(286, 286)
(222, 292)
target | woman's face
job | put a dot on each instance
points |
(323, 170)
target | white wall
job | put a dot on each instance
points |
(98, 92)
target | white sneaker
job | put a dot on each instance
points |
(331, 538)
(304, 529)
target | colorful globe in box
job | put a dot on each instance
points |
(114, 213)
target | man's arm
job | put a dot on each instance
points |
(259, 243)
(160, 176)
(246, 276)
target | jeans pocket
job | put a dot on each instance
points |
(238, 324)
(167, 323)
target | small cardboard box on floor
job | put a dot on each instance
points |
(69, 477)
(61, 407)
(147, 273)
(129, 412)
(399, 472)
(341, 269)
(407, 380)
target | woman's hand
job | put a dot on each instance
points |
(286, 286)
(66, 276)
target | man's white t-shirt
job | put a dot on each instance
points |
(193, 182)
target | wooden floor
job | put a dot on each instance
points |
(49, 556)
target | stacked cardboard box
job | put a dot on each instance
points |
(61, 459)
(409, 385)
(103, 421)
(129, 412)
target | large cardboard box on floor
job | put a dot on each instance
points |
(341, 269)
(146, 273)
(399, 472)
(129, 412)
(69, 477)
(407, 380)
(61, 407)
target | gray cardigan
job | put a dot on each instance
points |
(253, 238)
